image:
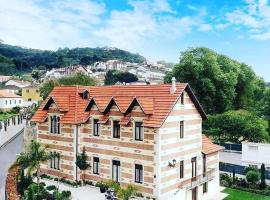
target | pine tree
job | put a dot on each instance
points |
(81, 162)
(263, 183)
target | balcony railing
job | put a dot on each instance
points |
(198, 180)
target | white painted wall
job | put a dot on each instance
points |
(7, 103)
(12, 82)
(255, 154)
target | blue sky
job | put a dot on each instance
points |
(157, 29)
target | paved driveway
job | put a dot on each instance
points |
(80, 193)
(232, 158)
(7, 157)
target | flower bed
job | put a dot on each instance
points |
(11, 184)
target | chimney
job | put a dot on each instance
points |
(173, 88)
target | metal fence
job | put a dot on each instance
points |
(231, 147)
(239, 169)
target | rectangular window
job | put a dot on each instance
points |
(116, 129)
(181, 169)
(138, 131)
(95, 165)
(138, 173)
(182, 98)
(54, 160)
(205, 187)
(96, 126)
(15, 101)
(55, 125)
(194, 167)
(20, 101)
(27, 91)
(6, 102)
(204, 165)
(9, 101)
(116, 171)
(181, 129)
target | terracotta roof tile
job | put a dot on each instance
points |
(208, 147)
(155, 100)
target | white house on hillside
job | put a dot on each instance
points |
(255, 154)
(18, 83)
(9, 100)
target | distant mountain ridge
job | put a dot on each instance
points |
(15, 59)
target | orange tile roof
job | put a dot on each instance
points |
(8, 94)
(208, 147)
(156, 101)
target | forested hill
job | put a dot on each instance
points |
(14, 59)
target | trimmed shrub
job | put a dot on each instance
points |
(253, 177)
(51, 187)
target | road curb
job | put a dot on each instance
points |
(11, 139)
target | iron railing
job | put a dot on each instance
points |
(198, 180)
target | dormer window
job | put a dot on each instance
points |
(84, 94)
(55, 124)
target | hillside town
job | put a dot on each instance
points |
(145, 72)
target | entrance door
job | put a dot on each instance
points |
(194, 193)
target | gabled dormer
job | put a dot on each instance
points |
(84, 94)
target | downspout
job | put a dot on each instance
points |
(76, 146)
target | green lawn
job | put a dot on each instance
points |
(241, 195)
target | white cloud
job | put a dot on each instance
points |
(131, 28)
(205, 27)
(221, 26)
(255, 16)
(48, 24)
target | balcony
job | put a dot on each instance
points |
(198, 180)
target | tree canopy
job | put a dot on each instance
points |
(219, 82)
(237, 126)
(77, 79)
(113, 76)
(14, 59)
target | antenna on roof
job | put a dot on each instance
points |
(173, 88)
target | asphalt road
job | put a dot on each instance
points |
(7, 157)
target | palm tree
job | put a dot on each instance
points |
(33, 159)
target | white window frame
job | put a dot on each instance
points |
(98, 165)
(112, 129)
(134, 174)
(93, 127)
(112, 173)
(134, 131)
(57, 128)
(183, 129)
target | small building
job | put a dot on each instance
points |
(31, 95)
(18, 83)
(4, 78)
(9, 100)
(255, 154)
(12, 88)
